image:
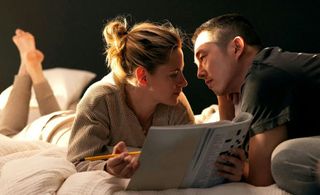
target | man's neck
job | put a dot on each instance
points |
(246, 63)
(250, 54)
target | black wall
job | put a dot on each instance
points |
(69, 31)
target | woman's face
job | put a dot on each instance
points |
(167, 82)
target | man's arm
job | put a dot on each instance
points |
(261, 147)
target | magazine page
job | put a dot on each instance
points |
(184, 155)
(164, 158)
(214, 142)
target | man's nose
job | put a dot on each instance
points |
(201, 73)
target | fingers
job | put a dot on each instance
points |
(230, 177)
(118, 163)
(123, 165)
(231, 166)
(130, 168)
(119, 148)
(238, 152)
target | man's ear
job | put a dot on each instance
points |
(141, 75)
(238, 46)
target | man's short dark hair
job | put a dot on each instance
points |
(228, 26)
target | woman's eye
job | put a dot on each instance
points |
(174, 74)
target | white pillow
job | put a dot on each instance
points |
(208, 115)
(67, 85)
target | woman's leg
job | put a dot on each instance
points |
(295, 165)
(32, 59)
(44, 94)
(14, 116)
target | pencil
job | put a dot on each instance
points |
(107, 156)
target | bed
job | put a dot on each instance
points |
(30, 166)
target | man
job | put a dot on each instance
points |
(280, 89)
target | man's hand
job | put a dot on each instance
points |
(230, 166)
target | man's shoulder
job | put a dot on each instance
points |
(278, 56)
(293, 63)
(267, 54)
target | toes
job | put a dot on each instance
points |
(15, 39)
(19, 31)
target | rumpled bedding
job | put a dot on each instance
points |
(37, 167)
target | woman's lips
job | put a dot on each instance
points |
(177, 93)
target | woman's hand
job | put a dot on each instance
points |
(123, 165)
(231, 166)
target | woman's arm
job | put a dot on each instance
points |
(90, 133)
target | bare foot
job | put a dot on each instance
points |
(33, 65)
(25, 42)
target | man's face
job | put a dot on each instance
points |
(215, 64)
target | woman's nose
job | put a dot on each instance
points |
(182, 81)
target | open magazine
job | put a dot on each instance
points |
(183, 156)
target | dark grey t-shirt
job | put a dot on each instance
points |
(283, 88)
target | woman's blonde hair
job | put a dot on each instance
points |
(145, 44)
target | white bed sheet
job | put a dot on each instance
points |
(35, 167)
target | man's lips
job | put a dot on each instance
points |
(208, 81)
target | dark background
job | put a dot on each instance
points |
(69, 31)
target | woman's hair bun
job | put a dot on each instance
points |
(115, 31)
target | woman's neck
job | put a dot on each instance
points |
(141, 104)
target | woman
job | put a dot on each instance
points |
(144, 88)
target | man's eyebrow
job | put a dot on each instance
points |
(197, 56)
(198, 52)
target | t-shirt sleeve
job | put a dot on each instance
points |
(267, 95)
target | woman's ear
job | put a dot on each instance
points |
(238, 46)
(141, 75)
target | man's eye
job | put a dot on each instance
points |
(201, 58)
